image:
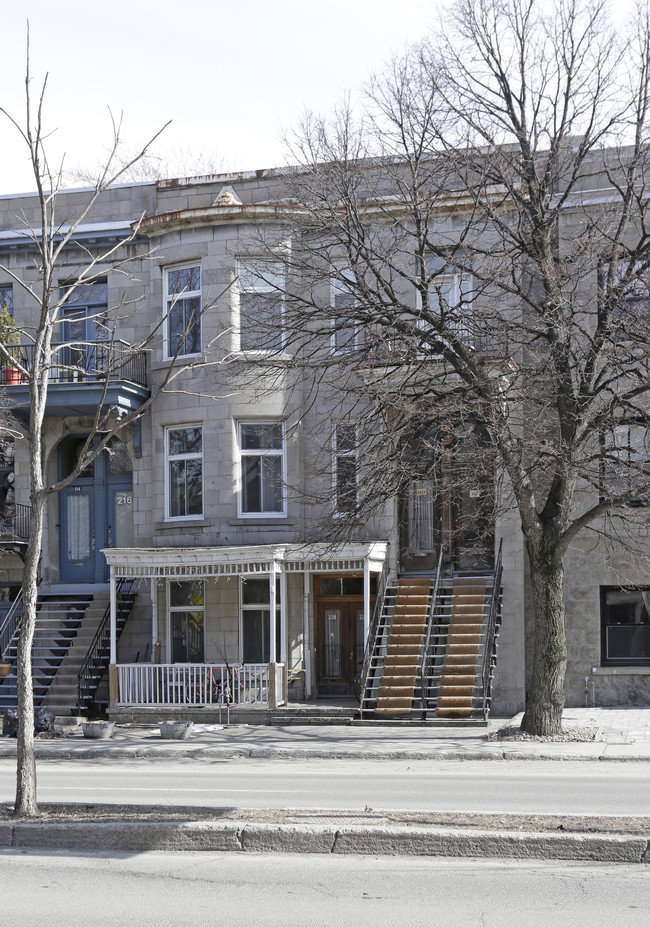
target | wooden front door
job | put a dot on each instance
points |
(340, 645)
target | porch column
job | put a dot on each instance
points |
(113, 618)
(154, 617)
(284, 630)
(272, 631)
(306, 641)
(366, 601)
(112, 669)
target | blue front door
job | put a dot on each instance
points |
(78, 538)
(96, 511)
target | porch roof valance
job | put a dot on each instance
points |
(161, 562)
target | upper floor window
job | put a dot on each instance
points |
(345, 468)
(344, 316)
(184, 471)
(261, 468)
(626, 461)
(450, 294)
(182, 311)
(7, 297)
(261, 306)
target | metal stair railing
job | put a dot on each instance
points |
(10, 625)
(493, 623)
(87, 681)
(372, 632)
(433, 604)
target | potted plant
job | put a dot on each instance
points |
(10, 338)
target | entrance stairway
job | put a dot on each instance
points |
(403, 654)
(433, 651)
(68, 628)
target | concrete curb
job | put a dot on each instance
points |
(106, 750)
(303, 838)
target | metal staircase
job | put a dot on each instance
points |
(68, 629)
(433, 648)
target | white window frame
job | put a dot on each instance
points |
(172, 609)
(338, 288)
(250, 280)
(188, 456)
(262, 607)
(241, 453)
(171, 299)
(351, 453)
(461, 292)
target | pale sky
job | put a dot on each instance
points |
(232, 76)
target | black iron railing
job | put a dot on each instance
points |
(86, 362)
(10, 625)
(96, 658)
(493, 623)
(372, 631)
(14, 524)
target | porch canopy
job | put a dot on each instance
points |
(273, 560)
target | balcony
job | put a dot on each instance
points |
(14, 526)
(78, 375)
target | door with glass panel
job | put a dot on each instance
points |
(95, 511)
(78, 534)
(340, 646)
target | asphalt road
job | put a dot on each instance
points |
(147, 889)
(566, 787)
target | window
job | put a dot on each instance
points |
(450, 294)
(261, 307)
(625, 626)
(261, 468)
(344, 321)
(186, 604)
(256, 620)
(85, 330)
(626, 461)
(345, 469)
(184, 453)
(631, 315)
(182, 311)
(7, 297)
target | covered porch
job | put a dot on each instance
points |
(229, 625)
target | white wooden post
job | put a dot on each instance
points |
(272, 654)
(113, 618)
(306, 640)
(284, 631)
(366, 601)
(154, 617)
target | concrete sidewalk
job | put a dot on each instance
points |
(622, 734)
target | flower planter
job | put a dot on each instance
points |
(100, 730)
(175, 730)
(11, 375)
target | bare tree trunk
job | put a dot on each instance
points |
(26, 804)
(545, 701)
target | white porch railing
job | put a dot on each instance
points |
(192, 684)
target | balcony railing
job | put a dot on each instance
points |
(86, 362)
(14, 524)
(199, 684)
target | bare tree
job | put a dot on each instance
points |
(486, 224)
(56, 233)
